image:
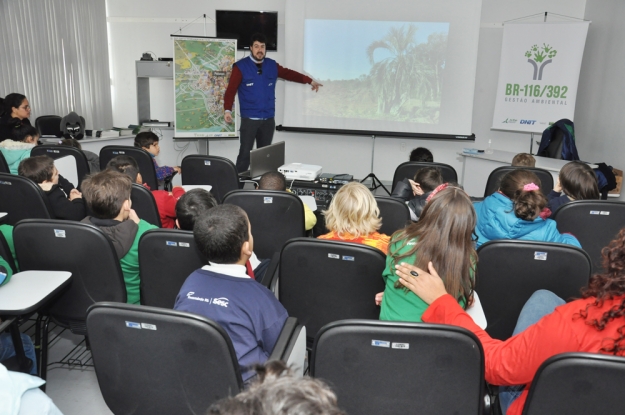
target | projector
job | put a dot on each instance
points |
(299, 171)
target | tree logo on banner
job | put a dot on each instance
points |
(537, 55)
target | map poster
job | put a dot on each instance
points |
(201, 74)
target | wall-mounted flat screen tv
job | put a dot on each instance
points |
(241, 25)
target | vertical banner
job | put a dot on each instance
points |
(538, 74)
(201, 74)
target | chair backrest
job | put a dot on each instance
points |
(510, 271)
(79, 248)
(394, 213)
(142, 157)
(144, 204)
(5, 253)
(408, 170)
(22, 198)
(166, 258)
(577, 384)
(593, 222)
(494, 178)
(323, 281)
(381, 367)
(58, 151)
(275, 217)
(4, 166)
(162, 362)
(49, 125)
(218, 172)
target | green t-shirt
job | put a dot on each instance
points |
(400, 304)
(130, 265)
(7, 232)
(5, 276)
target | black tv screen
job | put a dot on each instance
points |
(241, 25)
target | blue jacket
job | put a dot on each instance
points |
(257, 92)
(496, 220)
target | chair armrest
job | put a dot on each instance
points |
(291, 346)
(272, 270)
(4, 324)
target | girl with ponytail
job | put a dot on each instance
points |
(518, 211)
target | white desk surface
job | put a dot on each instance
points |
(28, 290)
(507, 156)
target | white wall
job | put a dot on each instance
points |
(600, 100)
(142, 25)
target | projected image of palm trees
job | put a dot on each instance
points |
(377, 70)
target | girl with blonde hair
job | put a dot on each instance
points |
(353, 216)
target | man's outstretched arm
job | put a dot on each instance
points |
(294, 76)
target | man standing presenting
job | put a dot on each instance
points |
(254, 78)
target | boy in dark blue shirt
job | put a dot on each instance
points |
(223, 292)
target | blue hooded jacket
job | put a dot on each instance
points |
(496, 220)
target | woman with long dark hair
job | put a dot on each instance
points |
(14, 112)
(547, 326)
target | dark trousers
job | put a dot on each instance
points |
(250, 130)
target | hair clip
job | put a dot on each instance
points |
(530, 187)
(435, 191)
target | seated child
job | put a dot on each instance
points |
(92, 158)
(523, 160)
(576, 181)
(108, 196)
(275, 180)
(518, 211)
(426, 180)
(421, 154)
(23, 138)
(165, 201)
(148, 141)
(223, 292)
(41, 170)
(353, 216)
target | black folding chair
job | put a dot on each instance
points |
(577, 384)
(408, 170)
(382, 367)
(593, 222)
(57, 151)
(49, 125)
(165, 361)
(142, 157)
(275, 217)
(494, 178)
(144, 204)
(22, 198)
(166, 258)
(510, 271)
(81, 249)
(4, 166)
(323, 281)
(218, 172)
(394, 213)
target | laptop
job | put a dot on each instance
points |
(265, 159)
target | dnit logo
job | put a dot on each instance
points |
(537, 55)
(528, 122)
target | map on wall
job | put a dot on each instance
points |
(201, 74)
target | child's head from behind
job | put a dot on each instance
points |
(108, 194)
(193, 205)
(23, 132)
(428, 178)
(126, 165)
(421, 154)
(524, 160)
(353, 210)
(524, 189)
(71, 142)
(579, 181)
(223, 235)
(39, 169)
(443, 236)
(272, 180)
(148, 141)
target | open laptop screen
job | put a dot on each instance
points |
(266, 159)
